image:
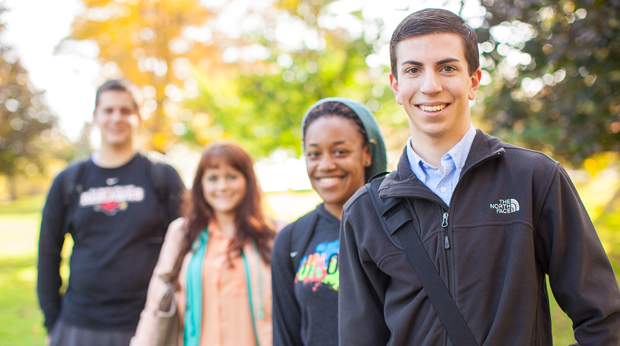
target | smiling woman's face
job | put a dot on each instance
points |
(335, 159)
(223, 187)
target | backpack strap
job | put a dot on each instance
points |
(158, 175)
(400, 224)
(301, 233)
(71, 186)
(72, 180)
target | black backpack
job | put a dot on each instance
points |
(72, 187)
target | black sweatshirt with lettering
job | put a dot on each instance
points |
(117, 224)
(514, 218)
(305, 299)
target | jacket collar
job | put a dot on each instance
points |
(403, 182)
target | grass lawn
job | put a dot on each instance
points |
(20, 317)
(20, 320)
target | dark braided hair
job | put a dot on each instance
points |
(335, 109)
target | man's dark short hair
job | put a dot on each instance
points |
(435, 21)
(120, 85)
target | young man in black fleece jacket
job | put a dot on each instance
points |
(117, 219)
(495, 219)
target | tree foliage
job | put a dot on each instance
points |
(551, 69)
(555, 68)
(262, 103)
(154, 44)
(27, 128)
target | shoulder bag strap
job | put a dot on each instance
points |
(435, 288)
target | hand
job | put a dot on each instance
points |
(48, 338)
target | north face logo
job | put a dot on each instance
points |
(506, 206)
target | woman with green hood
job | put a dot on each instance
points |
(343, 148)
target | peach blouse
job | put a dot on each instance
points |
(226, 318)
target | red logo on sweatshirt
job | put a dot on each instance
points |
(111, 199)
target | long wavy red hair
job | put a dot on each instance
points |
(250, 222)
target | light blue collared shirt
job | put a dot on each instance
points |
(452, 162)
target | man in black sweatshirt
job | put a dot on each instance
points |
(495, 220)
(116, 206)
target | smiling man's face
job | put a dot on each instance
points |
(434, 86)
(118, 118)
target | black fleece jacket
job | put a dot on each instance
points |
(514, 218)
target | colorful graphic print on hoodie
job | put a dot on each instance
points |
(320, 267)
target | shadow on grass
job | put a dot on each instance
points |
(21, 321)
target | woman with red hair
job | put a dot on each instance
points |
(217, 256)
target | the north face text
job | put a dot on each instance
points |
(506, 206)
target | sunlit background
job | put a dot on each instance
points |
(248, 69)
(74, 47)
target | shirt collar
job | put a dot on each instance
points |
(415, 162)
(458, 153)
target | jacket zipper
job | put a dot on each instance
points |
(444, 224)
(447, 244)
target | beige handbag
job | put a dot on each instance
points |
(168, 325)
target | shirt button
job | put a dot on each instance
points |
(443, 189)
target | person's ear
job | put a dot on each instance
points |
(367, 157)
(394, 87)
(475, 84)
(95, 116)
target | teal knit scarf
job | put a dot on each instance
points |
(193, 310)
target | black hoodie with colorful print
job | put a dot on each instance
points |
(305, 299)
(305, 295)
